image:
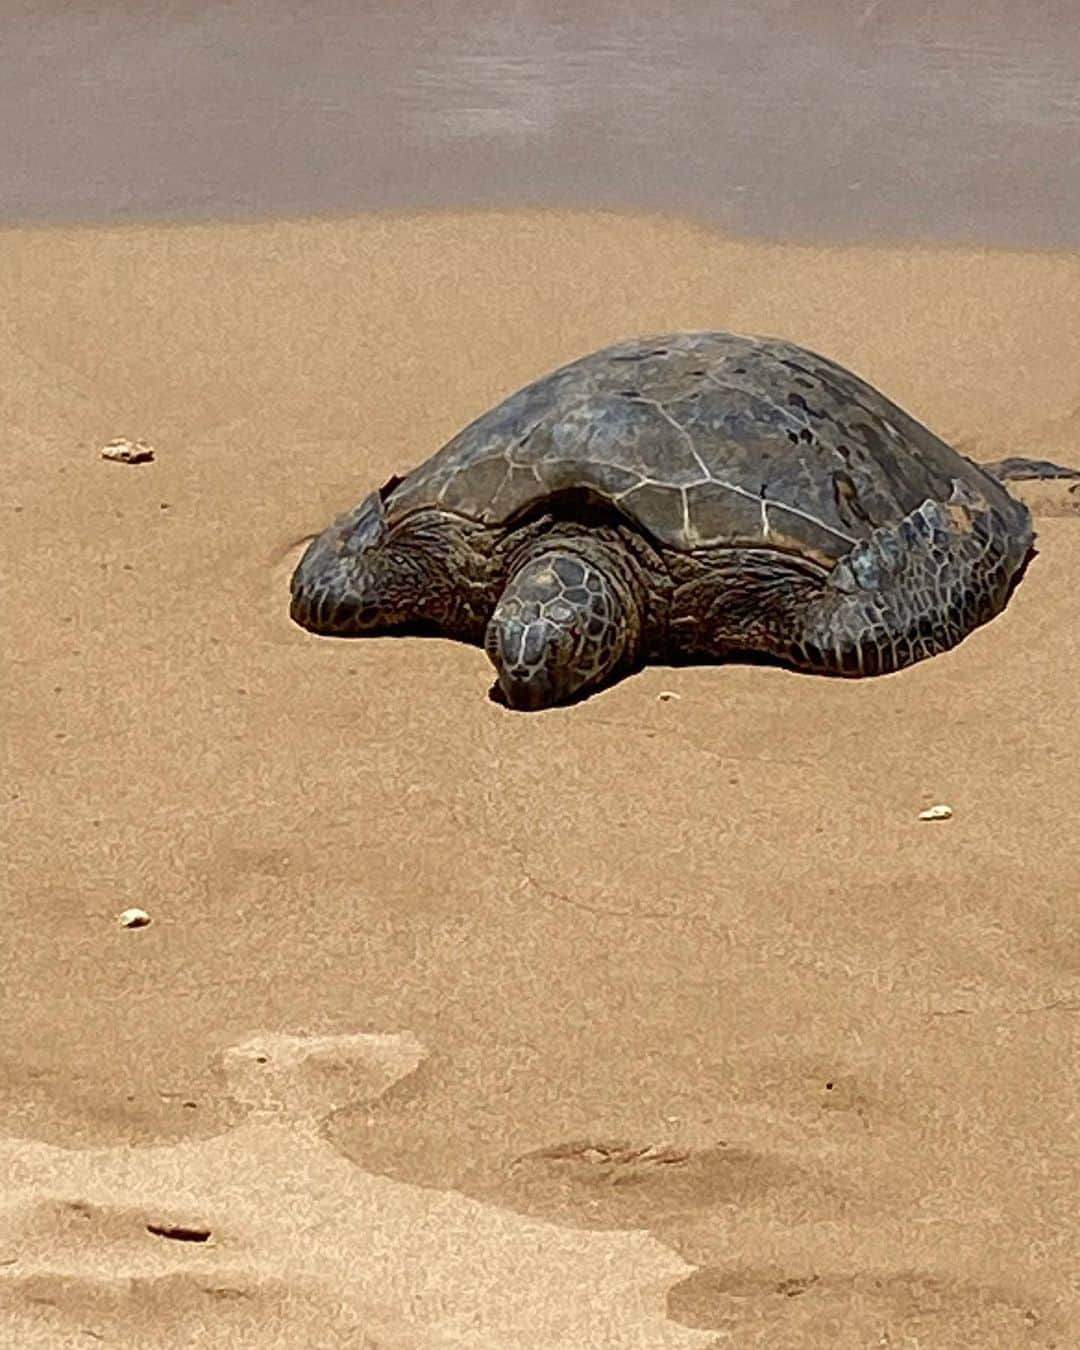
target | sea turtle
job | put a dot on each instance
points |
(680, 497)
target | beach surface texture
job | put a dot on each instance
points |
(662, 1021)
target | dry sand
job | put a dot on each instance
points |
(645, 1023)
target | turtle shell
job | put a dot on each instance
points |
(701, 440)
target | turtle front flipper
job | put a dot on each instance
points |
(915, 588)
(570, 616)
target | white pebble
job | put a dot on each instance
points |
(938, 812)
(134, 918)
(128, 452)
(667, 695)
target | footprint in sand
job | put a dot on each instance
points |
(307, 1078)
(267, 1237)
(786, 1310)
(243, 1311)
(69, 1225)
(617, 1184)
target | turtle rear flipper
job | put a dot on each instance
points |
(1018, 468)
(915, 588)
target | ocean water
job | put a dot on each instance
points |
(810, 119)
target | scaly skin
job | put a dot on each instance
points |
(562, 609)
(571, 614)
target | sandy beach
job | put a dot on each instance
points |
(652, 1022)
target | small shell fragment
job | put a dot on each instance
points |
(134, 918)
(668, 695)
(128, 452)
(938, 812)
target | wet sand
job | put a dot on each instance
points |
(645, 1023)
(842, 120)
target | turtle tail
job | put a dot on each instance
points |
(1017, 467)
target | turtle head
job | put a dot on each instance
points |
(350, 579)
